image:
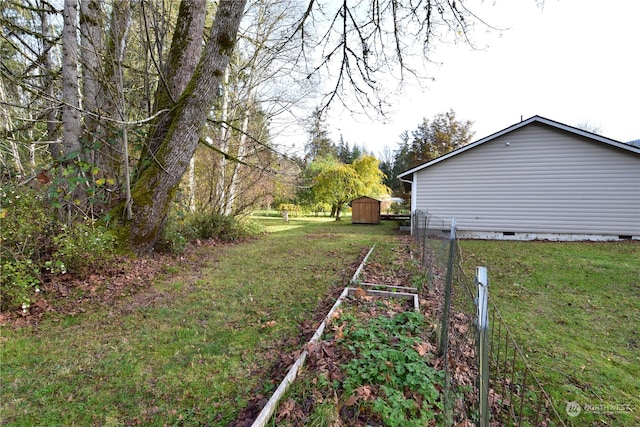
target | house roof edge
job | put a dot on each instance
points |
(534, 119)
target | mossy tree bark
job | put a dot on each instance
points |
(183, 57)
(159, 178)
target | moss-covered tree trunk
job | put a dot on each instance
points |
(184, 54)
(158, 179)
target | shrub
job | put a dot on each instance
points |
(18, 280)
(398, 208)
(26, 223)
(223, 227)
(294, 210)
(213, 225)
(180, 230)
(33, 242)
(81, 246)
(176, 234)
(321, 208)
(25, 241)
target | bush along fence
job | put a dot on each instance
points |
(487, 378)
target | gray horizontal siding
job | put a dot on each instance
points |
(544, 181)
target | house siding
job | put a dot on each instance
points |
(545, 181)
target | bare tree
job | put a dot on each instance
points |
(258, 87)
(30, 95)
(362, 44)
(359, 44)
(349, 47)
(590, 127)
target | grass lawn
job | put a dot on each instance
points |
(196, 347)
(575, 310)
(203, 341)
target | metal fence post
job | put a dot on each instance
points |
(444, 338)
(482, 281)
(424, 241)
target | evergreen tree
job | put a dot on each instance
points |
(319, 143)
(438, 137)
(431, 139)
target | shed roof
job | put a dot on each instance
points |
(366, 197)
(534, 119)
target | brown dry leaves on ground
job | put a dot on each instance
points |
(105, 285)
(133, 278)
(324, 357)
(70, 294)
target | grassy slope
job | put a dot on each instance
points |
(192, 351)
(575, 311)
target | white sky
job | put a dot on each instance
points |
(574, 61)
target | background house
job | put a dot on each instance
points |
(536, 179)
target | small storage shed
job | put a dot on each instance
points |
(365, 210)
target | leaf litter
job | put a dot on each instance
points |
(326, 358)
(73, 294)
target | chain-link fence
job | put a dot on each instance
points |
(487, 379)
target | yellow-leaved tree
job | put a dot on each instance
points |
(338, 183)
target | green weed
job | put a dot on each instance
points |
(384, 355)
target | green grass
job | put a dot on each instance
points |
(194, 348)
(575, 311)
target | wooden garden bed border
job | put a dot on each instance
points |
(393, 292)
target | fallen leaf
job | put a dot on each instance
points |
(312, 348)
(351, 401)
(327, 348)
(359, 293)
(423, 348)
(364, 392)
(286, 409)
(339, 331)
(43, 305)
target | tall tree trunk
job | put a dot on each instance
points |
(192, 184)
(225, 135)
(71, 123)
(103, 88)
(153, 191)
(91, 27)
(48, 84)
(235, 173)
(70, 96)
(6, 122)
(184, 54)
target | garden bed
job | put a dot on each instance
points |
(369, 361)
(393, 377)
(373, 365)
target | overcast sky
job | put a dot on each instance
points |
(573, 61)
